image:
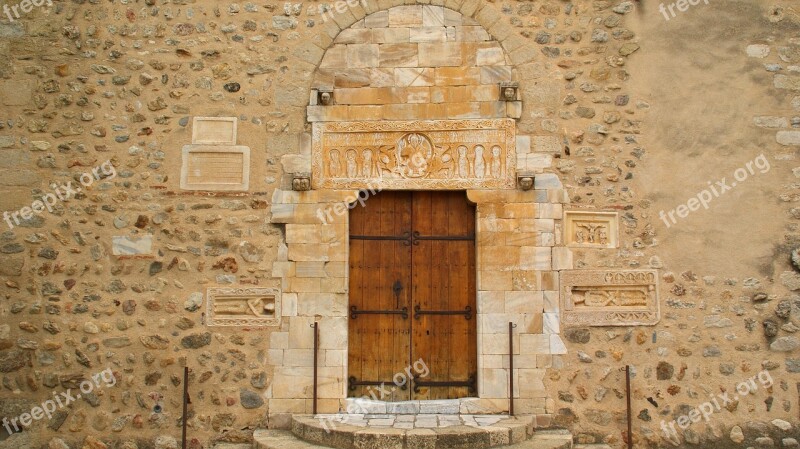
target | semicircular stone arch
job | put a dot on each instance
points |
(414, 61)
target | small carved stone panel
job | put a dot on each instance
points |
(431, 154)
(215, 167)
(254, 306)
(591, 229)
(214, 130)
(609, 298)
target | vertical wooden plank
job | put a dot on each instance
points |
(379, 345)
(444, 277)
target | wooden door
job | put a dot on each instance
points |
(379, 343)
(412, 296)
(443, 269)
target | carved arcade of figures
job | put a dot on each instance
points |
(416, 156)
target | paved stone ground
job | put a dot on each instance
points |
(413, 421)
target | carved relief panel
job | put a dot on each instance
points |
(255, 306)
(609, 298)
(591, 229)
(433, 154)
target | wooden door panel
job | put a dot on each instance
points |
(444, 280)
(379, 344)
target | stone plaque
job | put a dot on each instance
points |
(252, 306)
(589, 229)
(609, 298)
(430, 154)
(214, 130)
(215, 167)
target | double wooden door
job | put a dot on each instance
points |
(412, 331)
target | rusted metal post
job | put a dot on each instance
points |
(628, 394)
(511, 327)
(316, 351)
(185, 404)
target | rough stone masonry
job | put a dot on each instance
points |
(617, 111)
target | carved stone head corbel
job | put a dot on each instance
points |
(324, 97)
(301, 182)
(509, 91)
(525, 181)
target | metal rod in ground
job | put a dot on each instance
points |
(185, 403)
(628, 393)
(316, 350)
(511, 368)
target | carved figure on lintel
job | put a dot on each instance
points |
(368, 168)
(352, 163)
(463, 171)
(496, 163)
(480, 162)
(334, 164)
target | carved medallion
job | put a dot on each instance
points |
(436, 154)
(255, 306)
(609, 298)
(591, 229)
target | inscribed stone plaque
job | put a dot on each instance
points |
(609, 298)
(215, 167)
(430, 154)
(214, 130)
(589, 229)
(252, 306)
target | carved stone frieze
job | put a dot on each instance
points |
(431, 154)
(609, 298)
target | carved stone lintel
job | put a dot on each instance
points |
(252, 306)
(609, 298)
(429, 154)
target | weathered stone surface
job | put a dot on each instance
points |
(785, 344)
(195, 341)
(250, 399)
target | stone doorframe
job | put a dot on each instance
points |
(517, 281)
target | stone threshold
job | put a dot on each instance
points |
(463, 406)
(421, 439)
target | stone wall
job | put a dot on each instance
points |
(88, 82)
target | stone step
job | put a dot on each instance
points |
(341, 432)
(592, 446)
(284, 439)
